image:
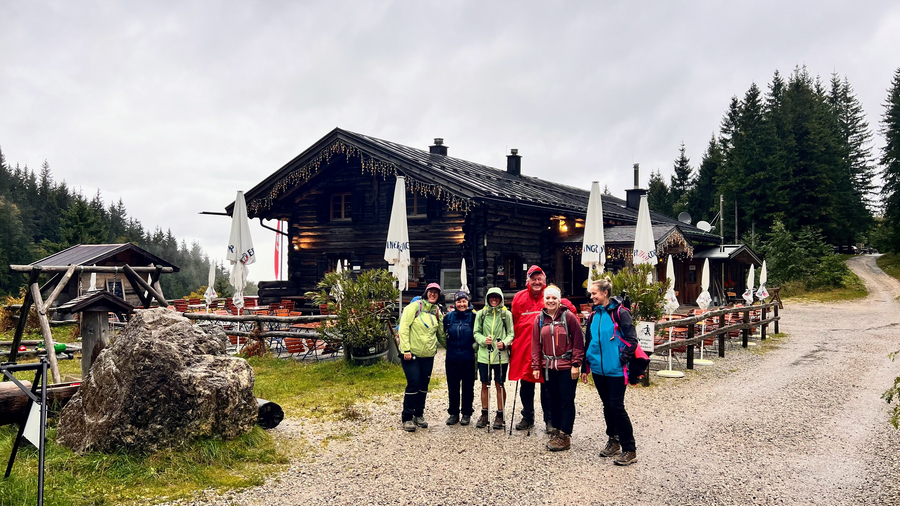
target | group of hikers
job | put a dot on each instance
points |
(539, 340)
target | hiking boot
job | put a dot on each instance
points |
(612, 449)
(548, 428)
(626, 459)
(453, 420)
(420, 422)
(560, 443)
(499, 422)
(409, 426)
(525, 424)
(482, 421)
(466, 420)
(553, 437)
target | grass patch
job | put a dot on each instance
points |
(853, 289)
(99, 479)
(890, 264)
(325, 389)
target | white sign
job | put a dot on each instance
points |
(645, 332)
(32, 430)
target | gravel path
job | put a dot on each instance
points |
(798, 420)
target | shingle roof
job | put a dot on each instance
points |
(470, 181)
(89, 254)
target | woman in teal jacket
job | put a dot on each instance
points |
(610, 340)
(493, 334)
(420, 327)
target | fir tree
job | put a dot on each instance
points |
(682, 182)
(890, 161)
(658, 196)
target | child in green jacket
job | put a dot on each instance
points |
(493, 335)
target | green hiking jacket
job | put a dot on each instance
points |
(419, 333)
(496, 321)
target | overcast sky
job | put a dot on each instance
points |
(174, 106)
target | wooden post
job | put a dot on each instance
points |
(722, 336)
(45, 329)
(745, 333)
(59, 288)
(762, 331)
(94, 337)
(23, 318)
(690, 348)
(138, 283)
(776, 321)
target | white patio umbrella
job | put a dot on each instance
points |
(210, 293)
(396, 249)
(748, 293)
(463, 277)
(593, 246)
(240, 249)
(644, 245)
(703, 302)
(670, 307)
(763, 294)
(337, 291)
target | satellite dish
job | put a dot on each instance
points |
(703, 225)
(684, 218)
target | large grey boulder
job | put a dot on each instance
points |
(161, 383)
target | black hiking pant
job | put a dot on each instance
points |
(560, 389)
(418, 375)
(526, 394)
(460, 378)
(618, 424)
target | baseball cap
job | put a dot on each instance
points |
(533, 269)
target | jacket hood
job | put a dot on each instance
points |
(614, 302)
(494, 291)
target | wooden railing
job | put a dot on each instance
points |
(722, 331)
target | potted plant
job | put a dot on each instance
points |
(363, 305)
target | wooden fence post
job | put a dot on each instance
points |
(721, 336)
(762, 331)
(690, 348)
(776, 316)
(745, 333)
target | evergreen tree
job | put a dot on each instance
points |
(682, 182)
(658, 196)
(703, 199)
(890, 161)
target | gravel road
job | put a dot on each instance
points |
(797, 420)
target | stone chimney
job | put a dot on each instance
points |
(514, 162)
(633, 196)
(438, 148)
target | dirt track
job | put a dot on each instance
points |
(801, 423)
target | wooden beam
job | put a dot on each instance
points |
(86, 268)
(134, 278)
(23, 316)
(58, 289)
(142, 294)
(48, 336)
(155, 277)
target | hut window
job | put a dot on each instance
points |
(450, 279)
(341, 206)
(416, 271)
(416, 205)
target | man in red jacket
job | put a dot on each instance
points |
(526, 306)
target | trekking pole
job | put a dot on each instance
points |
(490, 348)
(512, 416)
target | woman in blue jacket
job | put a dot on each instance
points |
(610, 342)
(459, 326)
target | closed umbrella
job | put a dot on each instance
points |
(396, 249)
(337, 291)
(644, 245)
(748, 293)
(240, 249)
(670, 307)
(210, 293)
(93, 287)
(593, 254)
(763, 294)
(703, 302)
(463, 277)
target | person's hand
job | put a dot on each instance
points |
(489, 341)
(536, 374)
(575, 371)
(584, 377)
(407, 356)
(500, 345)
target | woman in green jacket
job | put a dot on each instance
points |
(493, 334)
(420, 326)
